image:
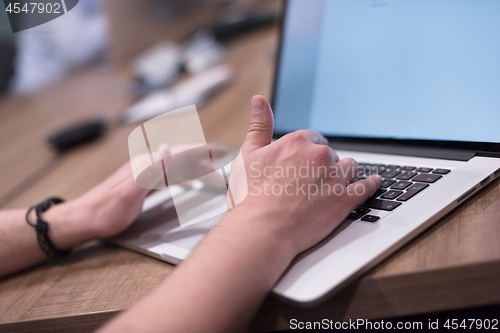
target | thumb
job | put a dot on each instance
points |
(260, 131)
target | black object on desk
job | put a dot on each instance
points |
(77, 135)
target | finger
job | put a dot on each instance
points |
(187, 185)
(363, 189)
(214, 180)
(333, 155)
(163, 151)
(194, 153)
(349, 168)
(182, 148)
(190, 156)
(146, 173)
(217, 150)
(260, 131)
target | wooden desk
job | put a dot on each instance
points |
(455, 264)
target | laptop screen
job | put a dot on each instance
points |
(405, 69)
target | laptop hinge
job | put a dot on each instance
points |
(429, 152)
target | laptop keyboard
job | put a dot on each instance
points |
(399, 184)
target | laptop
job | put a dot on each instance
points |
(410, 89)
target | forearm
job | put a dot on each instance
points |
(19, 247)
(105, 211)
(220, 286)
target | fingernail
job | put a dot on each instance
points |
(379, 177)
(258, 105)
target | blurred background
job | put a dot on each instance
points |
(116, 32)
(72, 89)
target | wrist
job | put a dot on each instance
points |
(262, 229)
(67, 225)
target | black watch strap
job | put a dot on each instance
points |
(42, 228)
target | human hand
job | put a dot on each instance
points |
(110, 207)
(180, 164)
(104, 211)
(297, 184)
(253, 243)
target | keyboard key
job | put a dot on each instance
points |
(426, 178)
(387, 182)
(362, 210)
(370, 218)
(412, 191)
(358, 212)
(363, 166)
(378, 170)
(391, 194)
(441, 171)
(417, 187)
(379, 192)
(407, 168)
(353, 216)
(390, 173)
(392, 166)
(381, 204)
(400, 185)
(424, 170)
(371, 170)
(405, 175)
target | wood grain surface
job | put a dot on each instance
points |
(455, 264)
(26, 122)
